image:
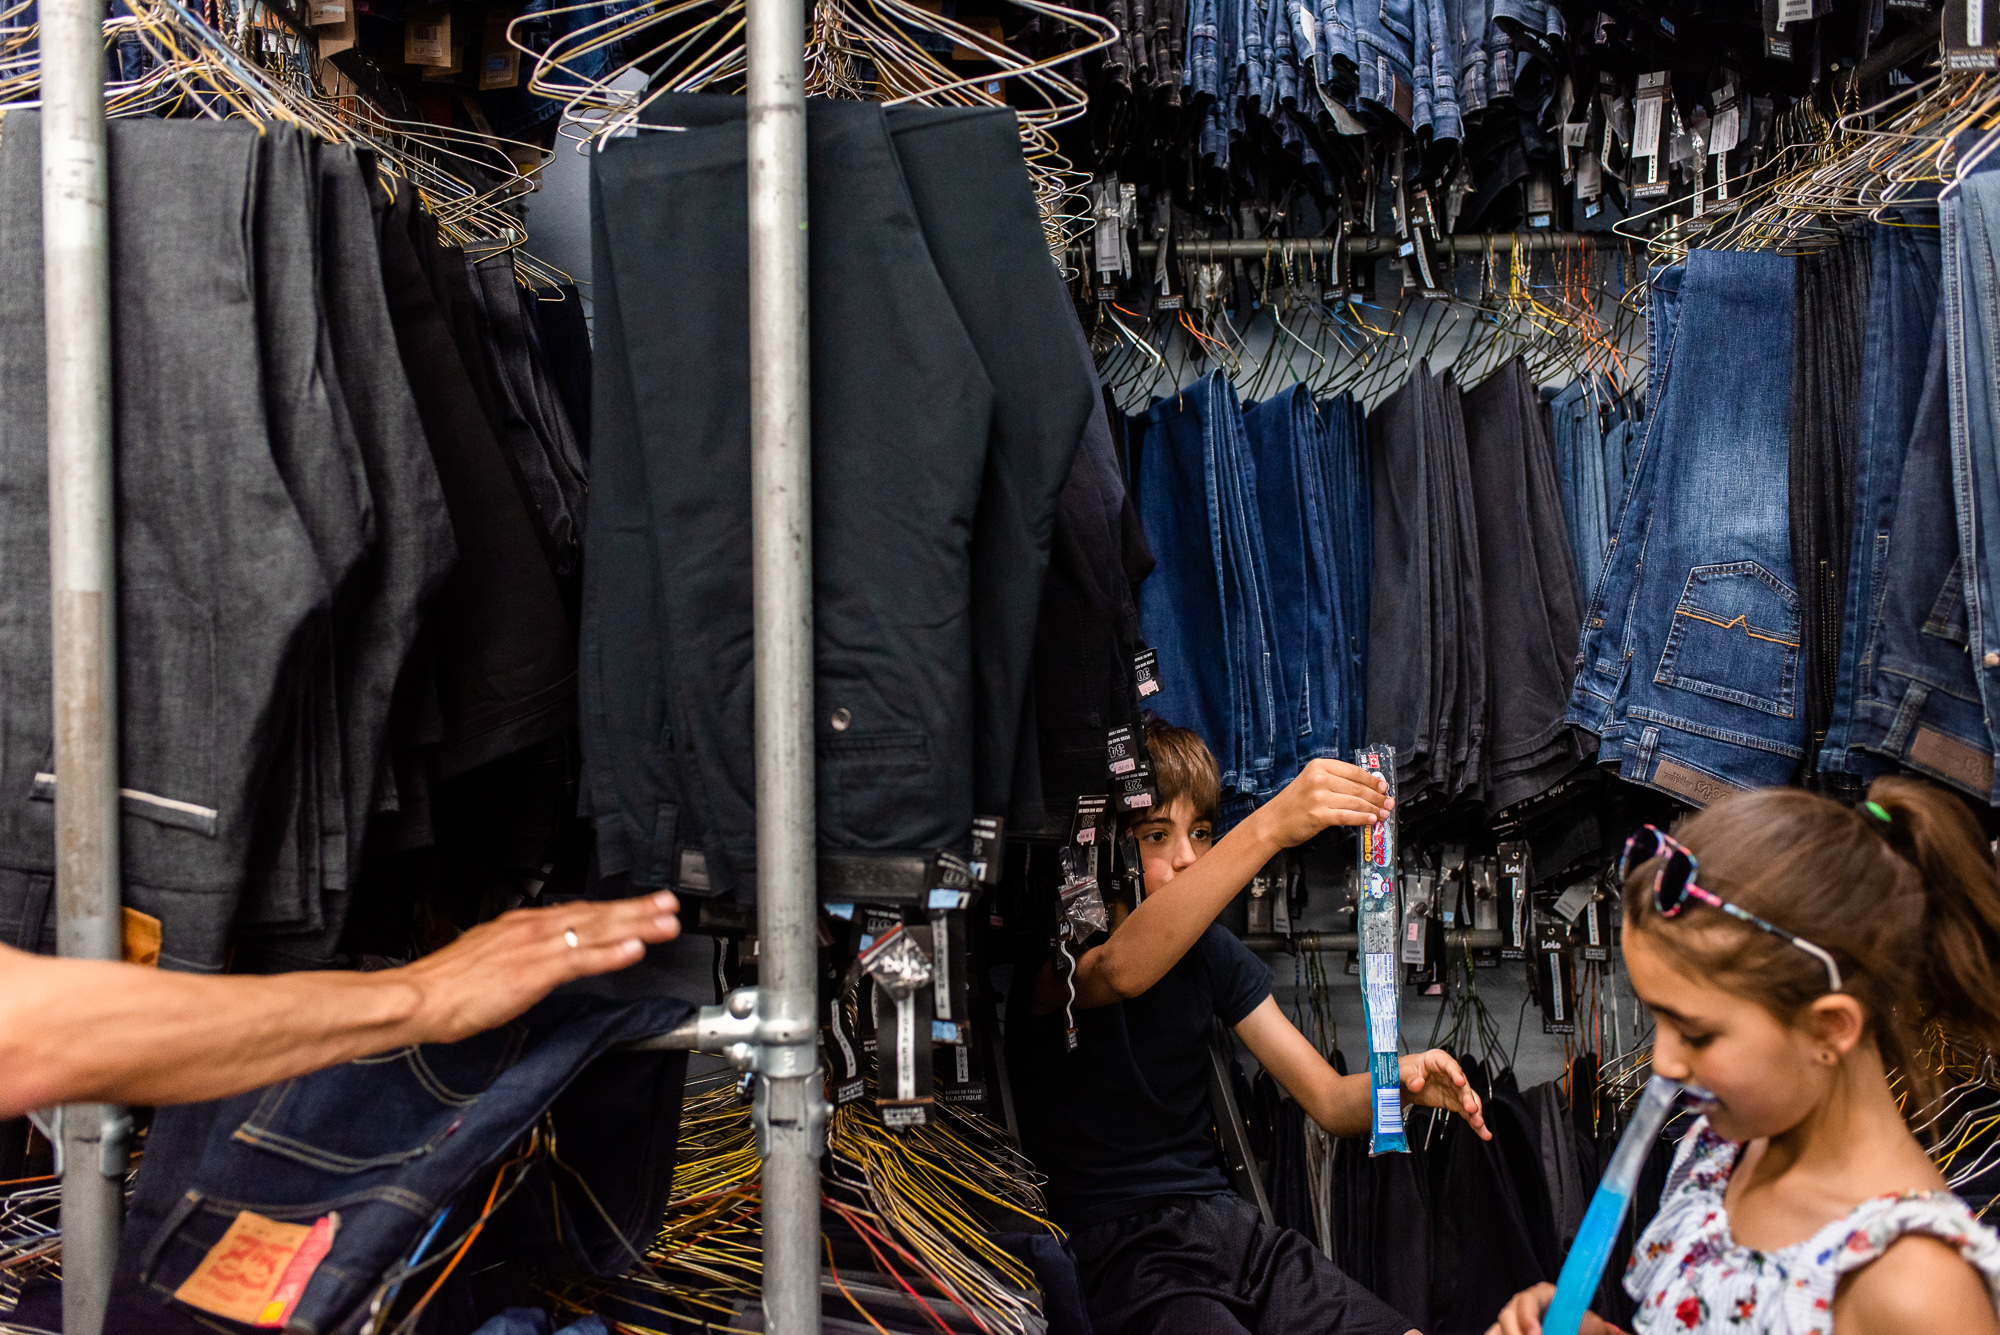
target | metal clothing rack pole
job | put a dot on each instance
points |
(1329, 943)
(790, 1108)
(83, 604)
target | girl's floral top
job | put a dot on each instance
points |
(1688, 1274)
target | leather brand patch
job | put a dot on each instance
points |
(258, 1270)
(1956, 760)
(1691, 785)
(142, 937)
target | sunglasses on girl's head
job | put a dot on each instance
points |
(1673, 887)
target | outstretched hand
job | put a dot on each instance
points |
(500, 968)
(1435, 1080)
(1326, 793)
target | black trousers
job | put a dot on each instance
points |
(1527, 586)
(1210, 1265)
(934, 492)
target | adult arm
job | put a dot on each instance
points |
(1155, 935)
(1919, 1285)
(1343, 1104)
(94, 1031)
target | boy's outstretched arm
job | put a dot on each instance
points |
(1155, 935)
(1341, 1103)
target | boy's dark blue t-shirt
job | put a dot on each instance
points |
(1126, 1116)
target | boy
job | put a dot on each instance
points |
(1122, 1127)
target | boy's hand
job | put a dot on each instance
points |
(1435, 1080)
(1523, 1316)
(1326, 793)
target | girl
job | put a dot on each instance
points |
(1792, 952)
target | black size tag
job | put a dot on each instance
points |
(1146, 673)
(1090, 817)
(1134, 792)
(1125, 755)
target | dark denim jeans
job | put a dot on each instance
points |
(1434, 51)
(1921, 705)
(1385, 55)
(1206, 605)
(1579, 452)
(1604, 650)
(389, 1142)
(1344, 434)
(1904, 289)
(1972, 336)
(1294, 514)
(1713, 700)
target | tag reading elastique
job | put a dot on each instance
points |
(257, 1270)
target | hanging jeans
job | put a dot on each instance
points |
(1385, 56)
(1400, 643)
(1904, 289)
(375, 625)
(218, 580)
(1343, 431)
(1921, 707)
(1972, 344)
(388, 1142)
(1604, 650)
(1579, 452)
(1206, 607)
(1710, 691)
(1294, 514)
(1434, 46)
(1528, 586)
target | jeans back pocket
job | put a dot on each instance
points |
(1735, 637)
(380, 1111)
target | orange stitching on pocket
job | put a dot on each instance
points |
(1742, 620)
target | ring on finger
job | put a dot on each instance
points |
(569, 937)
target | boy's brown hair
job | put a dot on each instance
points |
(1182, 767)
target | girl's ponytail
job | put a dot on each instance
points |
(1956, 974)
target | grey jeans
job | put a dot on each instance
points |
(219, 582)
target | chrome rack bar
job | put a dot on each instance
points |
(782, 1045)
(1367, 247)
(83, 590)
(1328, 943)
